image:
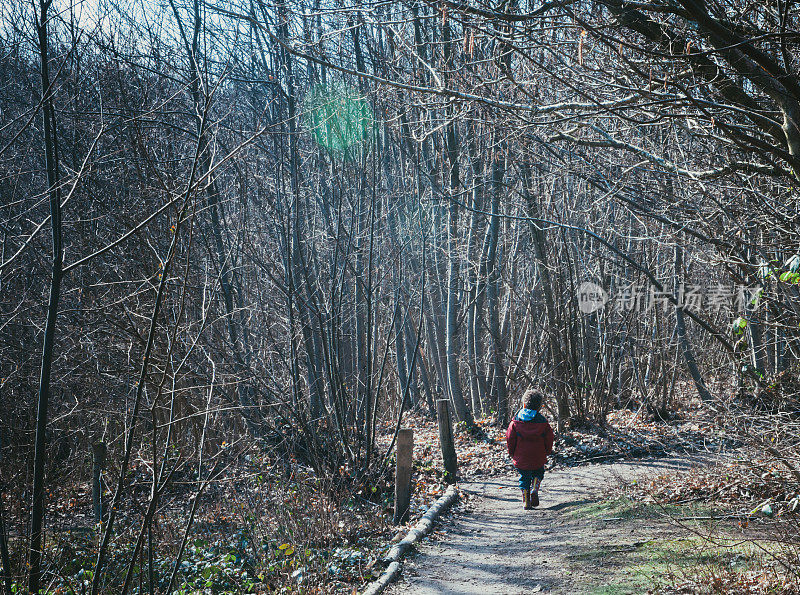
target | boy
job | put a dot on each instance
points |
(530, 440)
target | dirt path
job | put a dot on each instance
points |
(494, 546)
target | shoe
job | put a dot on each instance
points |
(526, 497)
(533, 499)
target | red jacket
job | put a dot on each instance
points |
(529, 442)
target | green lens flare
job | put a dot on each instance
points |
(339, 118)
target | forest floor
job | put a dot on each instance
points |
(262, 529)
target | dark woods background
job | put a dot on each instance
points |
(291, 222)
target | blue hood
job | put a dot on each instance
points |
(526, 415)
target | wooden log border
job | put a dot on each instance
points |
(420, 530)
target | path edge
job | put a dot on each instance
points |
(420, 530)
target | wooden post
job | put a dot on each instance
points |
(402, 477)
(98, 462)
(446, 441)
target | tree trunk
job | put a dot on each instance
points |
(493, 288)
(5, 559)
(400, 347)
(446, 441)
(683, 339)
(478, 390)
(453, 272)
(557, 353)
(40, 449)
(237, 332)
(412, 361)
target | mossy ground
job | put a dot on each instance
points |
(708, 551)
(624, 509)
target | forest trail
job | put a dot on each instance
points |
(495, 546)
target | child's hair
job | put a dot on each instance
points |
(532, 399)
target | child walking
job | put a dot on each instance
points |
(530, 439)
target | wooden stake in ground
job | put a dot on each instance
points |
(446, 441)
(98, 462)
(402, 477)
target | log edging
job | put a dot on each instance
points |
(420, 530)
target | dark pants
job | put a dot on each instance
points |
(526, 477)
